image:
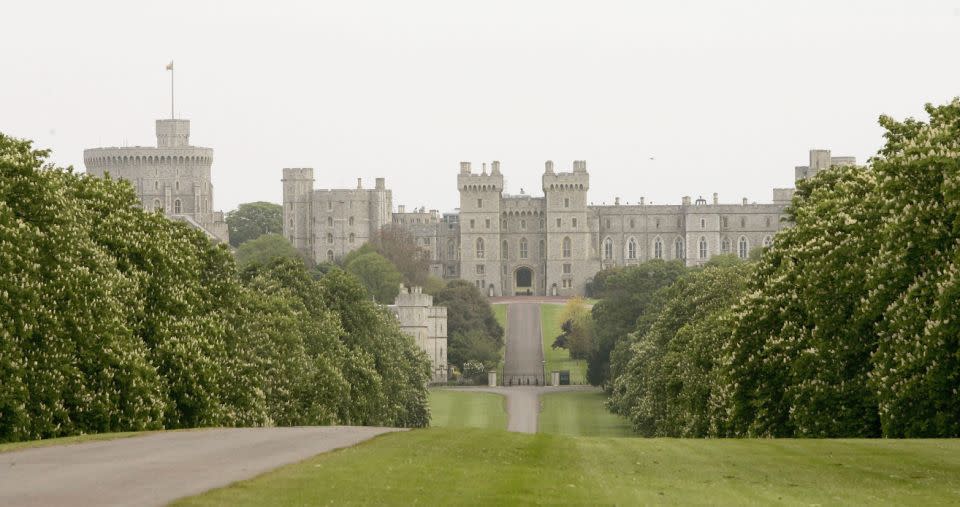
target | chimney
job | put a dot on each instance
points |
(464, 167)
(548, 167)
(495, 167)
(716, 199)
(359, 184)
(484, 168)
(686, 200)
(402, 208)
(381, 185)
(616, 201)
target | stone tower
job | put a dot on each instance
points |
(173, 177)
(297, 191)
(480, 196)
(571, 245)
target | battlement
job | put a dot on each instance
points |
(483, 182)
(173, 133)
(577, 179)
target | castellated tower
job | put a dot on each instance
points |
(172, 178)
(297, 190)
(571, 256)
(480, 196)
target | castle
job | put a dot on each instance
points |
(524, 245)
(172, 178)
(427, 324)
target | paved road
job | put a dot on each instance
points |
(523, 360)
(156, 469)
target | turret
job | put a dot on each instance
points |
(297, 189)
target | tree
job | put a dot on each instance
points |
(577, 327)
(378, 275)
(626, 293)
(254, 219)
(265, 249)
(469, 318)
(473, 345)
(400, 247)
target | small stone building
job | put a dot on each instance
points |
(427, 324)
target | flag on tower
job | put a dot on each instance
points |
(170, 65)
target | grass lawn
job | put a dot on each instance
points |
(581, 413)
(559, 359)
(463, 409)
(79, 439)
(483, 467)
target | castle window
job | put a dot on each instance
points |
(678, 249)
(178, 188)
(725, 246)
(658, 223)
(725, 222)
(523, 248)
(329, 221)
(479, 203)
(426, 241)
(703, 247)
(679, 222)
(608, 223)
(503, 224)
(631, 223)
(567, 268)
(176, 207)
(657, 249)
(352, 237)
(505, 251)
(329, 255)
(541, 224)
(573, 223)
(451, 249)
(768, 221)
(742, 247)
(608, 249)
(743, 221)
(156, 205)
(523, 224)
(703, 223)
(506, 270)
(767, 241)
(329, 205)
(543, 250)
(351, 221)
(632, 249)
(558, 222)
(471, 223)
(156, 185)
(480, 269)
(329, 238)
(487, 223)
(566, 248)
(479, 248)
(566, 202)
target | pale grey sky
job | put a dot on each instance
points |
(725, 96)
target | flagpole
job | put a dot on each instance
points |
(171, 90)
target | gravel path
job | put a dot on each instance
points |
(158, 468)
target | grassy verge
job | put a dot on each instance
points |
(464, 409)
(559, 359)
(482, 467)
(500, 313)
(79, 439)
(580, 413)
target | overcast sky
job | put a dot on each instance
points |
(662, 99)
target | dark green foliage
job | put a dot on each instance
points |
(113, 319)
(626, 294)
(265, 249)
(378, 275)
(469, 317)
(473, 345)
(254, 219)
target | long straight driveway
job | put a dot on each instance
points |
(156, 469)
(523, 361)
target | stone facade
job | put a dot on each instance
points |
(173, 177)
(427, 324)
(326, 224)
(554, 244)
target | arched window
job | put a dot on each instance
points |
(505, 250)
(678, 249)
(352, 237)
(543, 249)
(523, 248)
(177, 207)
(657, 249)
(479, 248)
(329, 238)
(451, 249)
(566, 248)
(742, 247)
(631, 249)
(330, 255)
(178, 188)
(767, 241)
(156, 205)
(329, 221)
(703, 248)
(351, 221)
(725, 246)
(608, 249)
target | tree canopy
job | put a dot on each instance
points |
(265, 249)
(378, 275)
(472, 329)
(254, 219)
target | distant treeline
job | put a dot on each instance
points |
(848, 326)
(116, 319)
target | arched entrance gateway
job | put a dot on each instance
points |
(523, 281)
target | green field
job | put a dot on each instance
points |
(483, 467)
(559, 359)
(580, 413)
(463, 409)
